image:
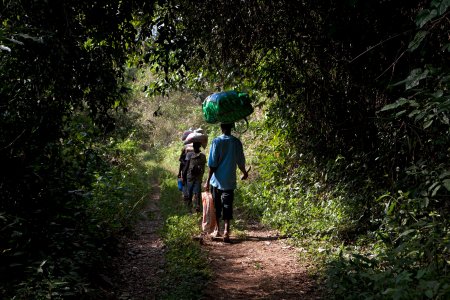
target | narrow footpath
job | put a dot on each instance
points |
(141, 262)
(257, 264)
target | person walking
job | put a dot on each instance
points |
(193, 176)
(225, 154)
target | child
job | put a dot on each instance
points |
(193, 176)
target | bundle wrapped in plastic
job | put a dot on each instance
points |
(186, 133)
(199, 130)
(197, 137)
(226, 107)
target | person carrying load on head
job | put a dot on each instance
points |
(225, 154)
(194, 170)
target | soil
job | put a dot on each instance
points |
(140, 264)
(260, 265)
(257, 264)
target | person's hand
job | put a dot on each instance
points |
(245, 175)
(206, 186)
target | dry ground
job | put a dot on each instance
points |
(261, 265)
(258, 264)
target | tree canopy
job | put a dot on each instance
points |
(356, 120)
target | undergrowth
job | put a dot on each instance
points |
(365, 242)
(96, 198)
(187, 270)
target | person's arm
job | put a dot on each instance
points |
(241, 161)
(213, 160)
(185, 170)
(244, 172)
(210, 174)
(180, 169)
(182, 164)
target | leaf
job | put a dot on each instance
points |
(402, 112)
(4, 48)
(433, 186)
(418, 38)
(436, 189)
(29, 37)
(15, 41)
(446, 184)
(446, 47)
(425, 16)
(444, 174)
(414, 78)
(438, 94)
(420, 115)
(400, 102)
(443, 6)
(425, 202)
(390, 207)
(406, 232)
(40, 269)
(427, 124)
(413, 113)
(420, 273)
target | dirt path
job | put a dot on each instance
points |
(259, 265)
(141, 262)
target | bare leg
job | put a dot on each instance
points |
(216, 231)
(227, 227)
(217, 228)
(226, 232)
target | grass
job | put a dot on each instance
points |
(186, 269)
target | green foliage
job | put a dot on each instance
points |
(108, 184)
(62, 89)
(187, 270)
(415, 232)
(119, 193)
(347, 155)
(341, 160)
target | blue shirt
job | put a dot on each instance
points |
(225, 154)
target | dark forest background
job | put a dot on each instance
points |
(352, 142)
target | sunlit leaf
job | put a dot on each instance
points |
(435, 190)
(418, 38)
(396, 104)
(425, 16)
(427, 124)
(446, 184)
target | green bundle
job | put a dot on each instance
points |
(226, 107)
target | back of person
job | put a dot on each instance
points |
(196, 167)
(225, 154)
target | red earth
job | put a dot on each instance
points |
(257, 264)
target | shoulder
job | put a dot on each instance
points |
(235, 140)
(217, 139)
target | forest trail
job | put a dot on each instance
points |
(140, 264)
(257, 264)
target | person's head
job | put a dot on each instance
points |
(196, 146)
(226, 128)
